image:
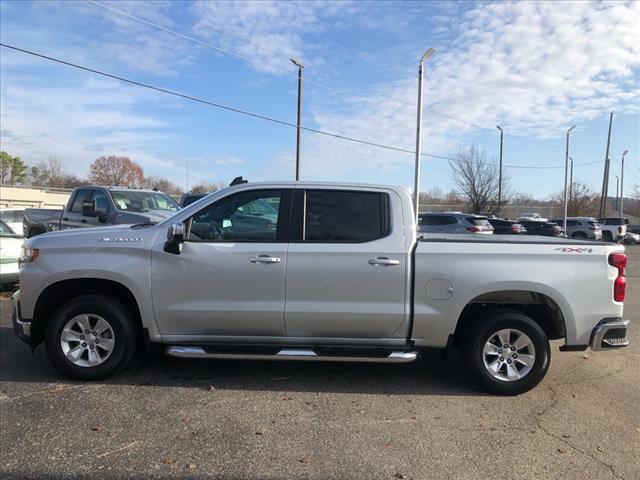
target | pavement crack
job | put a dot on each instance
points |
(552, 403)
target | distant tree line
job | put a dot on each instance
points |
(106, 170)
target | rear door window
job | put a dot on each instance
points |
(342, 216)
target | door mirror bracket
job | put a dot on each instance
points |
(175, 239)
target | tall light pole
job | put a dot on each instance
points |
(622, 185)
(571, 181)
(416, 185)
(566, 172)
(300, 67)
(500, 173)
(617, 191)
(605, 175)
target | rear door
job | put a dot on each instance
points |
(347, 266)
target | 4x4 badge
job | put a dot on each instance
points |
(574, 250)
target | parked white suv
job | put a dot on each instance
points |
(335, 273)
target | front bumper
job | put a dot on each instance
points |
(610, 333)
(21, 326)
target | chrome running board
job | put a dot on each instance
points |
(289, 354)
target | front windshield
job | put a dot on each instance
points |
(137, 201)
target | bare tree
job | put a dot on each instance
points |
(476, 179)
(162, 184)
(117, 171)
(206, 187)
(585, 202)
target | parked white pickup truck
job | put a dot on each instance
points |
(316, 271)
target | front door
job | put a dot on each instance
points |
(229, 279)
(347, 271)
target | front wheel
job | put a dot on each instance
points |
(507, 353)
(91, 337)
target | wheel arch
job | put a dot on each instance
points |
(541, 307)
(60, 292)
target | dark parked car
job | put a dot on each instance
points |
(507, 227)
(189, 198)
(548, 229)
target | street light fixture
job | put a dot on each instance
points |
(622, 185)
(500, 174)
(300, 67)
(566, 172)
(416, 185)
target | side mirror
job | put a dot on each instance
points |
(175, 239)
(89, 208)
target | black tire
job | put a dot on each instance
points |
(580, 235)
(487, 327)
(607, 236)
(120, 320)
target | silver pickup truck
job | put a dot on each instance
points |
(316, 271)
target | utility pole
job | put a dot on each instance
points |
(300, 67)
(617, 191)
(571, 183)
(500, 174)
(416, 185)
(187, 176)
(605, 177)
(566, 175)
(622, 185)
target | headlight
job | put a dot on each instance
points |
(28, 255)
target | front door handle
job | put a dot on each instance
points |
(383, 261)
(83, 221)
(264, 259)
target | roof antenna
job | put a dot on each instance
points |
(238, 181)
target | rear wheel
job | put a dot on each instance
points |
(507, 353)
(91, 337)
(579, 235)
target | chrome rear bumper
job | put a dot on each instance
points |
(610, 333)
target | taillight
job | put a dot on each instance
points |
(619, 229)
(514, 229)
(474, 229)
(619, 260)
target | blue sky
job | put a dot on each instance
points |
(535, 68)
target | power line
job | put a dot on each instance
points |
(312, 82)
(255, 115)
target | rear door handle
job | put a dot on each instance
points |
(65, 219)
(383, 261)
(83, 221)
(264, 259)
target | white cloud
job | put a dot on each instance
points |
(532, 67)
(39, 121)
(266, 32)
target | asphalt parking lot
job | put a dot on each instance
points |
(250, 420)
